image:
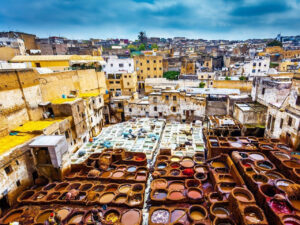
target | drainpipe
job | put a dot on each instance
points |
(23, 95)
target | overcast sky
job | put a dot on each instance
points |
(208, 19)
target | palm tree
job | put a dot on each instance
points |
(142, 37)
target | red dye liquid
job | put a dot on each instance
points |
(174, 166)
(247, 165)
(188, 172)
(280, 207)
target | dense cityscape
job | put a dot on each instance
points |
(149, 131)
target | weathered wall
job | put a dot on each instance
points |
(244, 86)
(216, 108)
(7, 53)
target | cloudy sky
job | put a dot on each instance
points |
(208, 19)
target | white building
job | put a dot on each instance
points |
(115, 65)
(15, 43)
(258, 66)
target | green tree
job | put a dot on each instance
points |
(201, 85)
(274, 43)
(142, 47)
(242, 78)
(154, 46)
(142, 37)
(171, 75)
(132, 47)
(227, 78)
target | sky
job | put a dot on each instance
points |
(207, 19)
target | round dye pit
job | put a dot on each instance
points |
(280, 206)
(256, 156)
(282, 155)
(159, 184)
(160, 194)
(131, 217)
(76, 218)
(63, 213)
(124, 189)
(187, 163)
(176, 186)
(121, 199)
(176, 195)
(175, 159)
(161, 165)
(265, 165)
(179, 215)
(292, 164)
(43, 216)
(112, 216)
(194, 194)
(283, 184)
(107, 198)
(135, 200)
(160, 216)
(218, 165)
(197, 213)
(221, 211)
(252, 217)
(118, 174)
(131, 169)
(13, 216)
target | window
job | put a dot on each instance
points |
(253, 71)
(111, 65)
(148, 76)
(129, 64)
(148, 68)
(120, 105)
(281, 123)
(130, 110)
(254, 64)
(121, 65)
(112, 89)
(155, 108)
(67, 134)
(155, 76)
(290, 121)
(100, 100)
(17, 162)
(129, 76)
(155, 99)
(117, 82)
(18, 183)
(298, 100)
(128, 83)
(202, 76)
(154, 61)
(259, 64)
(167, 97)
(154, 68)
(111, 82)
(269, 122)
(148, 61)
(141, 64)
(141, 71)
(138, 77)
(159, 68)
(84, 139)
(174, 98)
(173, 109)
(159, 61)
(125, 76)
(209, 76)
(8, 170)
(263, 91)
(78, 109)
(38, 64)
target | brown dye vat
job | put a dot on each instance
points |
(282, 184)
(135, 200)
(120, 199)
(118, 174)
(142, 170)
(137, 188)
(215, 197)
(176, 186)
(124, 188)
(225, 178)
(130, 176)
(53, 196)
(192, 183)
(86, 187)
(131, 217)
(295, 203)
(291, 164)
(221, 170)
(44, 216)
(253, 215)
(179, 216)
(141, 177)
(194, 193)
(159, 194)
(111, 188)
(107, 198)
(61, 187)
(159, 184)
(283, 147)
(268, 190)
(160, 216)
(26, 195)
(226, 187)
(49, 186)
(197, 213)
(81, 196)
(15, 215)
(73, 186)
(242, 195)
(63, 213)
(175, 195)
(106, 174)
(175, 165)
(163, 158)
(98, 188)
(76, 218)
(122, 168)
(260, 178)
(224, 144)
